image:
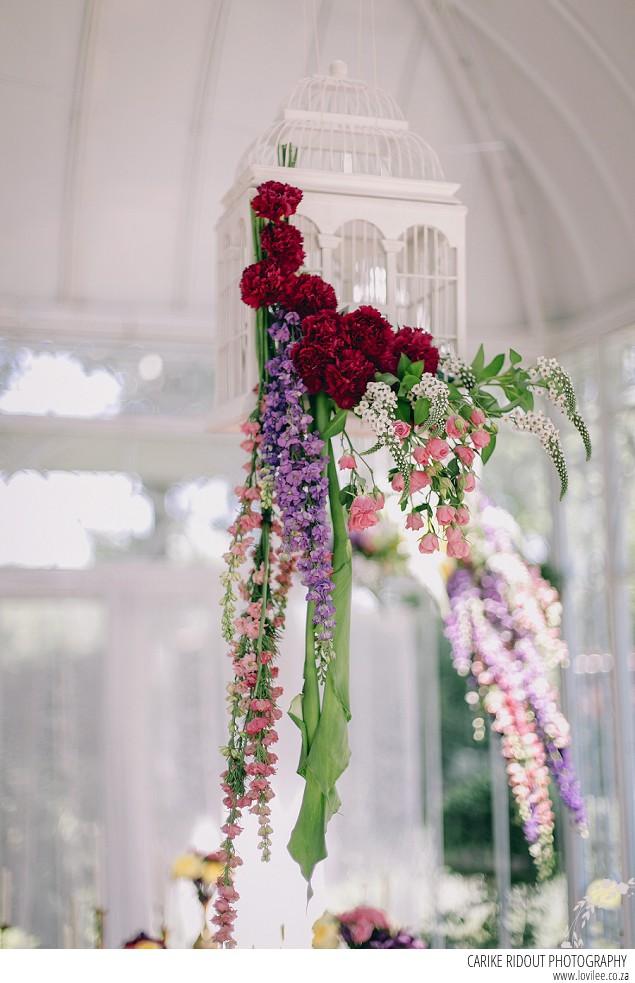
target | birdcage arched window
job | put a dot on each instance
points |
(426, 283)
(359, 266)
(312, 246)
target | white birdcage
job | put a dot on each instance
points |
(378, 218)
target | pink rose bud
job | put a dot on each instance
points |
(421, 456)
(445, 515)
(437, 448)
(477, 417)
(401, 429)
(462, 516)
(452, 425)
(397, 482)
(363, 513)
(466, 454)
(346, 461)
(480, 438)
(419, 480)
(379, 501)
(414, 521)
(469, 482)
(429, 543)
(453, 534)
(459, 549)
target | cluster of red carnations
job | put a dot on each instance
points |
(340, 354)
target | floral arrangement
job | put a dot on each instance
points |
(437, 417)
(205, 871)
(504, 630)
(603, 893)
(361, 928)
(143, 941)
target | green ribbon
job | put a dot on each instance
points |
(324, 728)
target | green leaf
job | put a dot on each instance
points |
(404, 365)
(479, 362)
(416, 368)
(407, 383)
(336, 425)
(487, 452)
(455, 394)
(493, 368)
(404, 410)
(488, 402)
(327, 739)
(453, 467)
(514, 357)
(295, 712)
(527, 401)
(422, 411)
(386, 377)
(345, 494)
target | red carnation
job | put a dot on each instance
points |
(283, 243)
(346, 380)
(311, 363)
(417, 345)
(263, 284)
(309, 294)
(370, 333)
(275, 200)
(326, 330)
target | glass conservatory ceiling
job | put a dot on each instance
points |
(123, 124)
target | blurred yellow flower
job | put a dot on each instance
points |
(188, 866)
(211, 870)
(326, 933)
(604, 894)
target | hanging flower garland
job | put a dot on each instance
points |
(435, 414)
(503, 628)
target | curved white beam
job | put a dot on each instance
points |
(190, 211)
(75, 150)
(458, 67)
(610, 190)
(540, 173)
(563, 10)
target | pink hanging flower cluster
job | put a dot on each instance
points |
(253, 695)
(503, 628)
(435, 460)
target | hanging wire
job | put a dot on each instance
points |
(360, 25)
(315, 37)
(374, 40)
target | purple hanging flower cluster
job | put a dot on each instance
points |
(503, 630)
(293, 451)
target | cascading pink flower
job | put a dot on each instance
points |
(429, 543)
(437, 448)
(466, 454)
(419, 480)
(421, 456)
(414, 521)
(458, 548)
(346, 461)
(445, 515)
(455, 426)
(477, 417)
(480, 438)
(363, 513)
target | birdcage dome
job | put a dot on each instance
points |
(333, 123)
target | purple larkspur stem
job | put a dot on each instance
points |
(293, 451)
